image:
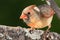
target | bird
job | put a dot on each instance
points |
(38, 17)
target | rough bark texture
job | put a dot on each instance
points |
(19, 33)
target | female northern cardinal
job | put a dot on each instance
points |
(38, 17)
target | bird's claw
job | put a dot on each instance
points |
(30, 30)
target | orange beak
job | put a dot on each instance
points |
(23, 17)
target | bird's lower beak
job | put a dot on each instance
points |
(23, 17)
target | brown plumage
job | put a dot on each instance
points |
(36, 17)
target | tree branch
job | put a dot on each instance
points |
(19, 33)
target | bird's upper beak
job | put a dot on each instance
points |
(23, 17)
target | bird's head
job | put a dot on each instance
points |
(27, 12)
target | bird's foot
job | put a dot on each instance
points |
(30, 30)
(44, 36)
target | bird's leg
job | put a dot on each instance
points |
(49, 26)
(46, 32)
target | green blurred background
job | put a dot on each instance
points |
(10, 11)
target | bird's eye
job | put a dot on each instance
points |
(28, 13)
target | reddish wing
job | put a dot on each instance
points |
(46, 11)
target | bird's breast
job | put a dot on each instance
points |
(41, 23)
